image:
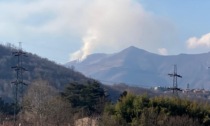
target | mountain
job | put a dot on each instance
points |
(138, 67)
(37, 69)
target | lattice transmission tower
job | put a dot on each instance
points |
(18, 83)
(175, 88)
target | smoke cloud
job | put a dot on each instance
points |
(102, 25)
(110, 25)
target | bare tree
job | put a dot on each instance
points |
(42, 106)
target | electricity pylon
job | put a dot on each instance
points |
(175, 84)
(19, 69)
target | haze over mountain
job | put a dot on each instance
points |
(138, 67)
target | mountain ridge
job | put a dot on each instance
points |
(137, 66)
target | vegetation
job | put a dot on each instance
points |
(37, 69)
(48, 102)
(89, 98)
(116, 90)
(43, 105)
(157, 111)
(6, 110)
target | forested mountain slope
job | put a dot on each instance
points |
(37, 68)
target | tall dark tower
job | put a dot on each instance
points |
(18, 83)
(175, 84)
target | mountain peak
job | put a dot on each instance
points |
(137, 66)
(133, 50)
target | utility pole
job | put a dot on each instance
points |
(175, 84)
(19, 69)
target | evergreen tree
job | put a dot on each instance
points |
(89, 97)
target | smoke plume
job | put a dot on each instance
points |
(110, 25)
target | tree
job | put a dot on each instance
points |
(89, 98)
(42, 105)
(6, 110)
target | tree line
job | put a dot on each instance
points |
(141, 110)
(43, 105)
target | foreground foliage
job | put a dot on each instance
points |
(42, 105)
(158, 111)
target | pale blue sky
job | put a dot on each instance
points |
(191, 18)
(60, 29)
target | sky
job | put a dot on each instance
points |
(64, 30)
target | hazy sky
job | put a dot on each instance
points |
(61, 30)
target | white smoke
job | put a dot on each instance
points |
(102, 25)
(110, 25)
(88, 46)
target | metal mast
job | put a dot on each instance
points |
(19, 69)
(175, 84)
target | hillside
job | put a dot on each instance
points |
(138, 67)
(37, 68)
